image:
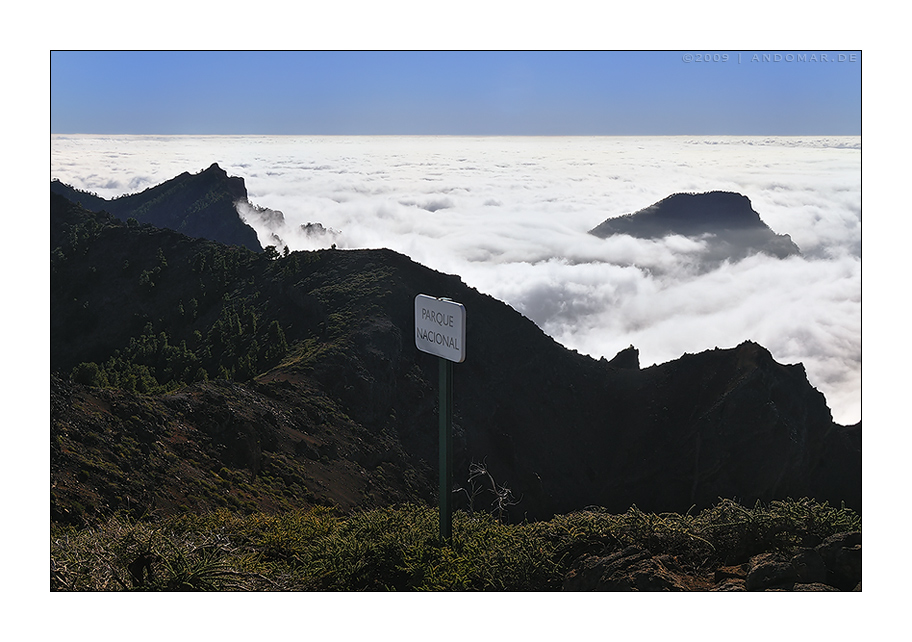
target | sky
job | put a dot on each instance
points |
(749, 92)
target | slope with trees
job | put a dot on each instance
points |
(184, 368)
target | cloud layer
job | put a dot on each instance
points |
(510, 216)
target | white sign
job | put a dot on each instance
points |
(440, 327)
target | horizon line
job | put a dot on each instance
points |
(858, 135)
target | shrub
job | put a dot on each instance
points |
(397, 548)
(89, 374)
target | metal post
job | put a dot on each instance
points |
(446, 449)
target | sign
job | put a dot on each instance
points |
(440, 327)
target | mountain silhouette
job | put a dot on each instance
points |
(726, 220)
(199, 205)
(296, 379)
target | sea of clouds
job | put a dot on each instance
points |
(510, 215)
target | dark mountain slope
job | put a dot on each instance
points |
(198, 205)
(734, 228)
(562, 430)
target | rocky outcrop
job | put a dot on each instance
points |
(841, 555)
(199, 205)
(628, 358)
(834, 565)
(725, 220)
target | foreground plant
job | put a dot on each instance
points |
(397, 548)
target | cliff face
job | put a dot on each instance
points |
(726, 219)
(199, 205)
(349, 411)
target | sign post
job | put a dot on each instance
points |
(446, 449)
(440, 330)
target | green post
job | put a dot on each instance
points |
(446, 449)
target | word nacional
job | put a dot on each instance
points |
(440, 327)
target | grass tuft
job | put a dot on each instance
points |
(397, 548)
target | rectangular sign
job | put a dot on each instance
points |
(440, 327)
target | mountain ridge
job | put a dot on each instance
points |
(201, 205)
(345, 413)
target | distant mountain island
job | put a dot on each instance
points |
(199, 205)
(725, 220)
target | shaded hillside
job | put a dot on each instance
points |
(198, 205)
(330, 389)
(112, 283)
(726, 220)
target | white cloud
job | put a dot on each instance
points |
(510, 216)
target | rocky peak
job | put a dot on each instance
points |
(199, 205)
(727, 219)
(628, 358)
(215, 169)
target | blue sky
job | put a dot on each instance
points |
(459, 93)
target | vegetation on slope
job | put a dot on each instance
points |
(397, 548)
(148, 319)
(191, 310)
